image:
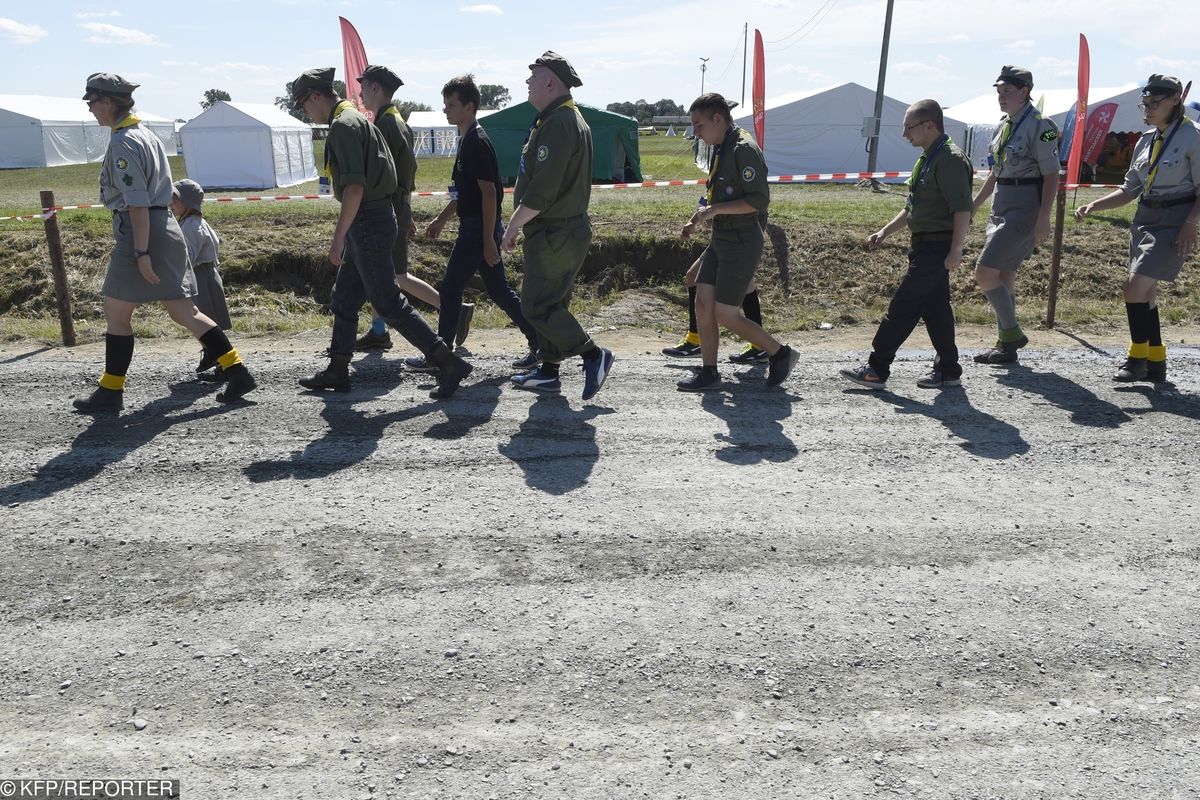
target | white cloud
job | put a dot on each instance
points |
(96, 14)
(481, 8)
(1175, 66)
(238, 66)
(20, 33)
(804, 74)
(923, 70)
(1057, 67)
(103, 33)
(1020, 46)
(776, 4)
(956, 38)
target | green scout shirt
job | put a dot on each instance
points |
(739, 173)
(1029, 147)
(399, 138)
(942, 187)
(355, 152)
(555, 176)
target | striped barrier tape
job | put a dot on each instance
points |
(812, 177)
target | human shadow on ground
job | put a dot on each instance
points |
(110, 437)
(981, 433)
(351, 434)
(1164, 398)
(555, 446)
(755, 417)
(1085, 407)
(23, 356)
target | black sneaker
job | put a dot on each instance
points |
(596, 371)
(750, 355)
(1134, 369)
(528, 362)
(700, 381)
(373, 341)
(207, 361)
(328, 379)
(865, 376)
(218, 375)
(420, 364)
(240, 383)
(781, 365)
(100, 400)
(938, 380)
(1156, 371)
(465, 314)
(682, 350)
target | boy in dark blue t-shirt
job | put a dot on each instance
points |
(476, 195)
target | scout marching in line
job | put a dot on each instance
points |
(164, 251)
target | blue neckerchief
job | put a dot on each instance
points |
(1012, 133)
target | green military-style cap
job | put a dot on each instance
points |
(310, 80)
(1016, 76)
(559, 66)
(381, 75)
(1162, 84)
(108, 83)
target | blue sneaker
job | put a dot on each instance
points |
(595, 372)
(537, 381)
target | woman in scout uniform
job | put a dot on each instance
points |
(734, 204)
(1024, 161)
(1165, 174)
(150, 260)
(203, 245)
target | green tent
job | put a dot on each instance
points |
(614, 142)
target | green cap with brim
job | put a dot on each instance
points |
(1015, 76)
(381, 75)
(561, 68)
(1162, 84)
(312, 80)
(110, 84)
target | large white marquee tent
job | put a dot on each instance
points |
(821, 131)
(433, 136)
(40, 131)
(247, 146)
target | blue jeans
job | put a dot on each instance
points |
(367, 273)
(465, 260)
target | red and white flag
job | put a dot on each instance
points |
(758, 94)
(1076, 155)
(354, 61)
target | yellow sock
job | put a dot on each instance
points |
(1139, 349)
(230, 359)
(1157, 352)
(114, 382)
(692, 337)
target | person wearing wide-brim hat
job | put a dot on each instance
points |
(1023, 157)
(203, 245)
(150, 260)
(1165, 176)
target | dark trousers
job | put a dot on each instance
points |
(465, 260)
(367, 273)
(924, 293)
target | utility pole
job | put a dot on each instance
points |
(873, 142)
(703, 67)
(745, 40)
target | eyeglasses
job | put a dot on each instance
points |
(1150, 106)
(300, 103)
(93, 101)
(908, 128)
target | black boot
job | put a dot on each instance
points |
(207, 361)
(451, 370)
(335, 377)
(239, 382)
(100, 400)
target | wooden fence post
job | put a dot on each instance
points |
(58, 269)
(1056, 258)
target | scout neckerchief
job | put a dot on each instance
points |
(1009, 131)
(338, 109)
(1157, 148)
(128, 122)
(716, 162)
(922, 160)
(540, 118)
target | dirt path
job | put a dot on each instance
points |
(986, 592)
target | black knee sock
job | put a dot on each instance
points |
(215, 342)
(549, 368)
(1139, 321)
(118, 353)
(1155, 329)
(751, 308)
(693, 327)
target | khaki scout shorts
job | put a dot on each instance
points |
(1152, 242)
(1010, 227)
(729, 262)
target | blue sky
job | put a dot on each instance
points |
(622, 50)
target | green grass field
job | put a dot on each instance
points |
(815, 268)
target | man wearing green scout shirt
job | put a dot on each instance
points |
(554, 184)
(363, 176)
(379, 84)
(938, 212)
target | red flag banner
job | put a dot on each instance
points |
(758, 93)
(1098, 124)
(1076, 155)
(354, 57)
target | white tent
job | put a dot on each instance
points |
(247, 146)
(982, 114)
(39, 131)
(432, 135)
(822, 131)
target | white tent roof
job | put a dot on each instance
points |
(227, 114)
(432, 135)
(984, 110)
(820, 130)
(39, 131)
(247, 146)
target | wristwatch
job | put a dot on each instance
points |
(139, 253)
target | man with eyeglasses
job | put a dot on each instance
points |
(938, 212)
(363, 176)
(1024, 174)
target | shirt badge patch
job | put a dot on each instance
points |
(128, 180)
(543, 153)
(1049, 136)
(748, 174)
(122, 164)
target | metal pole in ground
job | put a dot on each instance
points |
(1056, 258)
(58, 268)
